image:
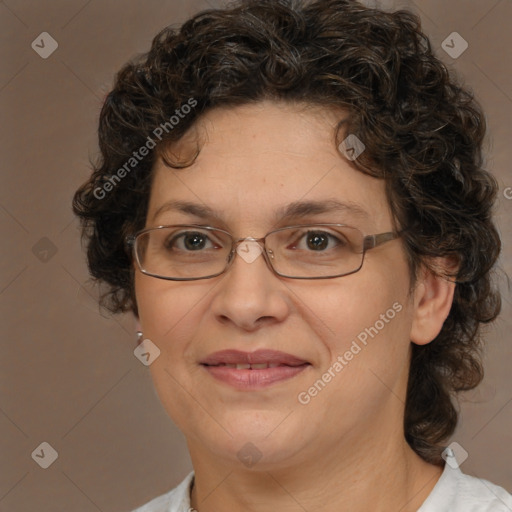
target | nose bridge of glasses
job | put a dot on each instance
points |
(249, 248)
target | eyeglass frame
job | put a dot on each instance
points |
(369, 242)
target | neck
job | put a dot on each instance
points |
(378, 473)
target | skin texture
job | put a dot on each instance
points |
(345, 449)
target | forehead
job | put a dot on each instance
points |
(260, 161)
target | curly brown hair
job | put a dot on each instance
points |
(423, 133)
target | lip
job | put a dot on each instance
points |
(257, 357)
(284, 366)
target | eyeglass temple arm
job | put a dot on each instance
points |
(372, 241)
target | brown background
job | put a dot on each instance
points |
(68, 373)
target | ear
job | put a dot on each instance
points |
(433, 297)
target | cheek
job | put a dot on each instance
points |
(166, 307)
(170, 316)
(365, 337)
(354, 305)
(174, 316)
(366, 320)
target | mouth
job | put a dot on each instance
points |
(248, 366)
(245, 360)
(253, 370)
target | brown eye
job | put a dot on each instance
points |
(317, 241)
(194, 241)
(189, 241)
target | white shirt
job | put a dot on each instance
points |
(454, 492)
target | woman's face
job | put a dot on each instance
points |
(256, 160)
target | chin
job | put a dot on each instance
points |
(256, 454)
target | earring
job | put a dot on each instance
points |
(139, 336)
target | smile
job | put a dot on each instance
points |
(247, 366)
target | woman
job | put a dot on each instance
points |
(291, 201)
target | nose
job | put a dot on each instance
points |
(250, 295)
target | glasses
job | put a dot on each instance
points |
(313, 251)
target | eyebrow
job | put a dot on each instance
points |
(295, 210)
(299, 209)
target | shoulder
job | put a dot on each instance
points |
(458, 492)
(176, 500)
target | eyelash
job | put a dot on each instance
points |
(170, 242)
